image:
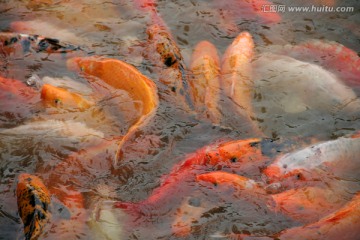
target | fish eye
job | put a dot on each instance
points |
(57, 101)
(299, 176)
(233, 159)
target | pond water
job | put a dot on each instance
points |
(73, 151)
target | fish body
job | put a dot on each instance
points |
(164, 53)
(341, 224)
(182, 177)
(326, 161)
(205, 81)
(33, 200)
(121, 75)
(236, 75)
(333, 56)
(308, 204)
(12, 42)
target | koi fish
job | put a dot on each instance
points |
(121, 75)
(165, 55)
(308, 204)
(341, 224)
(181, 177)
(11, 42)
(299, 92)
(17, 100)
(205, 81)
(60, 97)
(236, 75)
(33, 200)
(333, 56)
(322, 162)
(241, 182)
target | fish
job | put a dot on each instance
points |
(300, 92)
(121, 75)
(17, 101)
(341, 224)
(333, 56)
(308, 204)
(239, 182)
(10, 43)
(70, 129)
(62, 98)
(236, 75)
(182, 177)
(33, 200)
(324, 162)
(165, 55)
(205, 81)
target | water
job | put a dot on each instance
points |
(116, 29)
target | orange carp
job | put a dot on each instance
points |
(341, 224)
(33, 200)
(205, 81)
(121, 75)
(320, 163)
(60, 97)
(236, 75)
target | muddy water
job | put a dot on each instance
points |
(117, 29)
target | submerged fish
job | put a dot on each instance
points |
(33, 200)
(182, 177)
(333, 56)
(205, 81)
(335, 160)
(341, 224)
(11, 42)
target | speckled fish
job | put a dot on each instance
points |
(10, 42)
(121, 75)
(236, 75)
(163, 52)
(205, 81)
(33, 200)
(323, 162)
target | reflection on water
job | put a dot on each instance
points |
(300, 96)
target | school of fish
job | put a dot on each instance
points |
(296, 186)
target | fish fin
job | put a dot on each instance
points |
(58, 209)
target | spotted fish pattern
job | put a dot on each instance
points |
(33, 200)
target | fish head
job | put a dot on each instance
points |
(284, 180)
(62, 98)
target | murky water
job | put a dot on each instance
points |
(82, 156)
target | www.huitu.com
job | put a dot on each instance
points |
(317, 9)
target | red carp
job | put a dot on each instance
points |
(341, 224)
(181, 178)
(320, 163)
(33, 200)
(205, 81)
